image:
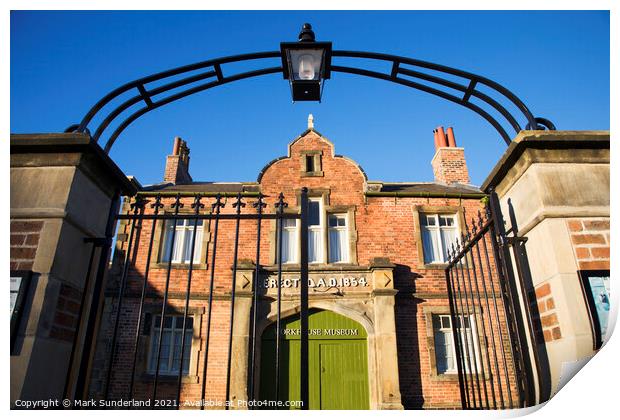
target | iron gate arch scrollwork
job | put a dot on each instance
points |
(432, 78)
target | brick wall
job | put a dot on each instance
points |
(449, 165)
(24, 242)
(591, 240)
(548, 316)
(67, 313)
(25, 236)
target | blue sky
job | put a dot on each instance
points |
(557, 62)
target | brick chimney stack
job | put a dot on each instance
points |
(449, 161)
(177, 164)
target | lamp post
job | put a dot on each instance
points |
(306, 64)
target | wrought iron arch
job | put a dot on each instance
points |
(213, 76)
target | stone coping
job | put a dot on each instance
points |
(537, 139)
(72, 143)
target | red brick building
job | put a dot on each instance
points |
(378, 296)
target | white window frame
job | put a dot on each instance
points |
(345, 251)
(435, 232)
(293, 231)
(174, 331)
(322, 231)
(472, 342)
(319, 229)
(183, 227)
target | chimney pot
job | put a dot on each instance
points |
(436, 139)
(442, 137)
(451, 139)
(176, 146)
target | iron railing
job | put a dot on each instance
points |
(136, 287)
(499, 360)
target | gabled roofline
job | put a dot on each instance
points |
(329, 142)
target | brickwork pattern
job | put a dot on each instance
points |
(24, 242)
(591, 240)
(67, 313)
(449, 165)
(548, 316)
(177, 170)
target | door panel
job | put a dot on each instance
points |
(338, 366)
(332, 390)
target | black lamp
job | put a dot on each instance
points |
(306, 65)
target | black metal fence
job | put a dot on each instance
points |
(137, 289)
(493, 318)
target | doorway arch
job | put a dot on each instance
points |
(338, 362)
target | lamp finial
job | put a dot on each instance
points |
(306, 34)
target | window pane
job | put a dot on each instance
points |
(314, 213)
(335, 248)
(179, 243)
(177, 351)
(343, 238)
(446, 220)
(167, 240)
(430, 254)
(153, 355)
(289, 223)
(309, 163)
(445, 322)
(465, 321)
(314, 245)
(165, 352)
(441, 352)
(450, 354)
(289, 247)
(187, 244)
(167, 322)
(333, 220)
(188, 352)
(198, 246)
(448, 237)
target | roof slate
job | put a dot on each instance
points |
(233, 187)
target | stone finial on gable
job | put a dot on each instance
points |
(310, 122)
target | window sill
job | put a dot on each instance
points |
(311, 174)
(170, 378)
(179, 266)
(448, 376)
(433, 266)
(454, 376)
(294, 267)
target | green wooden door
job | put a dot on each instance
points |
(337, 362)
